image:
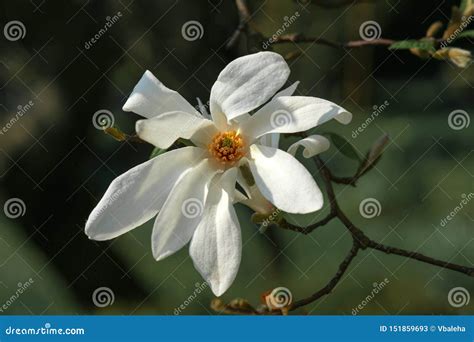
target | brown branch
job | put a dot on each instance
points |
(333, 282)
(310, 228)
(300, 38)
(360, 241)
(244, 15)
(420, 257)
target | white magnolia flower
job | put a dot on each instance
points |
(191, 190)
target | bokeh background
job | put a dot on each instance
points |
(59, 164)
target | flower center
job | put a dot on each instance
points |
(227, 147)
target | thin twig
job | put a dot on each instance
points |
(244, 15)
(310, 228)
(301, 38)
(333, 282)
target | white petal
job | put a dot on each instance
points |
(313, 145)
(272, 140)
(284, 181)
(150, 98)
(163, 130)
(182, 211)
(290, 114)
(288, 91)
(216, 246)
(247, 83)
(136, 196)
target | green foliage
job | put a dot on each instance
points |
(156, 152)
(422, 44)
(344, 146)
(463, 5)
(466, 34)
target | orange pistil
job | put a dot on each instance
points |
(227, 147)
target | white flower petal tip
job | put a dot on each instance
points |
(150, 98)
(182, 211)
(135, 197)
(345, 117)
(284, 181)
(290, 114)
(216, 246)
(288, 91)
(313, 145)
(248, 82)
(163, 130)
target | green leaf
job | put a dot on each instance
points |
(344, 146)
(374, 154)
(465, 34)
(423, 44)
(156, 152)
(464, 4)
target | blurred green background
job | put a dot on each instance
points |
(59, 164)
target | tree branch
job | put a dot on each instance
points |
(333, 282)
(301, 38)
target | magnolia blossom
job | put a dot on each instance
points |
(191, 190)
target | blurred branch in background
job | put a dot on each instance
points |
(422, 47)
(360, 241)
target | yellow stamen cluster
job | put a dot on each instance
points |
(227, 147)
